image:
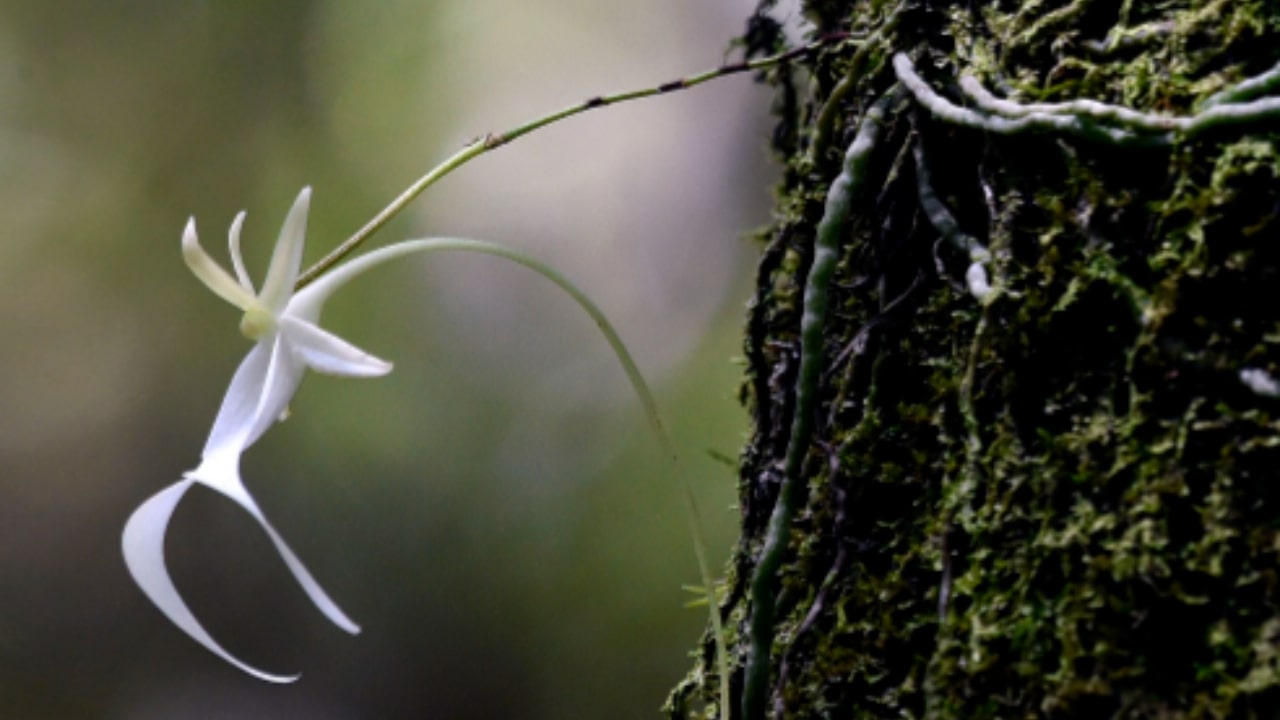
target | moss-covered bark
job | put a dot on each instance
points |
(1063, 501)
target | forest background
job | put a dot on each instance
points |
(493, 512)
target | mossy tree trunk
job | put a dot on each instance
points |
(1060, 498)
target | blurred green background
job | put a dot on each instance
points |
(493, 512)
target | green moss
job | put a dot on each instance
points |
(1064, 503)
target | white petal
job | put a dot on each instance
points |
(286, 261)
(259, 393)
(221, 472)
(284, 374)
(240, 404)
(210, 272)
(327, 353)
(237, 260)
(143, 545)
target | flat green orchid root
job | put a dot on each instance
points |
(358, 265)
(1247, 89)
(1027, 122)
(847, 188)
(940, 216)
(1090, 119)
(877, 42)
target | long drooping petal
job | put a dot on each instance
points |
(327, 353)
(221, 472)
(261, 388)
(143, 545)
(286, 260)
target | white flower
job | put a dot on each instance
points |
(287, 341)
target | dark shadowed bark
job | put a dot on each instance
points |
(1058, 496)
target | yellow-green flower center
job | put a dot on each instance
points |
(257, 323)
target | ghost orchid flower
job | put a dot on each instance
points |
(283, 326)
(287, 341)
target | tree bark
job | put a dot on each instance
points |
(1058, 498)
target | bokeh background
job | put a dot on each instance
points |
(493, 512)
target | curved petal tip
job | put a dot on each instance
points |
(143, 546)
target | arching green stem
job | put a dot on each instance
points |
(832, 229)
(493, 141)
(352, 268)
